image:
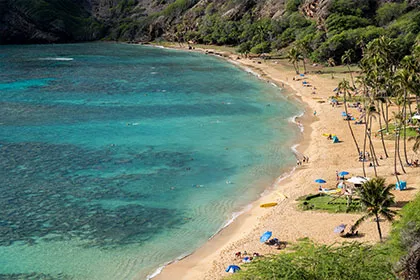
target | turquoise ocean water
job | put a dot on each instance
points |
(115, 159)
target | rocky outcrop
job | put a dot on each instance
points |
(38, 21)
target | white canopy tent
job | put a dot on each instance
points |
(357, 180)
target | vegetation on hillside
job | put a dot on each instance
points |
(350, 25)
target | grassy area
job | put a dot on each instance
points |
(324, 202)
(411, 132)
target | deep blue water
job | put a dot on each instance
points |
(117, 158)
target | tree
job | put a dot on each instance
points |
(347, 59)
(294, 57)
(344, 87)
(331, 63)
(375, 197)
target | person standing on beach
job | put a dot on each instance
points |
(336, 174)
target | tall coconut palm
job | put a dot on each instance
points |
(331, 63)
(376, 198)
(404, 80)
(344, 87)
(294, 57)
(303, 50)
(347, 59)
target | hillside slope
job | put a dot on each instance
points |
(325, 28)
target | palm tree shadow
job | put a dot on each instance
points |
(400, 204)
(354, 236)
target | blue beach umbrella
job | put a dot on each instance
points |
(343, 114)
(320, 181)
(302, 75)
(343, 173)
(339, 228)
(265, 236)
(232, 268)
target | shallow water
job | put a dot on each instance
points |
(117, 158)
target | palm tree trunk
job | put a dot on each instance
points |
(379, 226)
(372, 149)
(348, 123)
(296, 67)
(351, 76)
(405, 126)
(399, 154)
(304, 65)
(395, 158)
(382, 133)
(383, 115)
(418, 103)
(387, 114)
(364, 145)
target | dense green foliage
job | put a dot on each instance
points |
(406, 231)
(310, 261)
(349, 25)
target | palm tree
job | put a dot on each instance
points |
(375, 197)
(346, 59)
(344, 87)
(294, 57)
(303, 50)
(331, 63)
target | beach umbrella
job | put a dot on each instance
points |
(302, 75)
(339, 228)
(320, 181)
(232, 268)
(265, 236)
(343, 173)
(343, 114)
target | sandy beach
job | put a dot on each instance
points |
(285, 220)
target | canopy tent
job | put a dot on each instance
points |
(232, 268)
(357, 180)
(335, 139)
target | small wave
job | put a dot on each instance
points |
(58, 58)
(153, 73)
(235, 215)
(159, 269)
(293, 119)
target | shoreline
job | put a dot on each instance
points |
(299, 144)
(285, 220)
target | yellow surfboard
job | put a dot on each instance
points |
(267, 205)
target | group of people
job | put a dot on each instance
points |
(244, 255)
(414, 163)
(305, 159)
(364, 157)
